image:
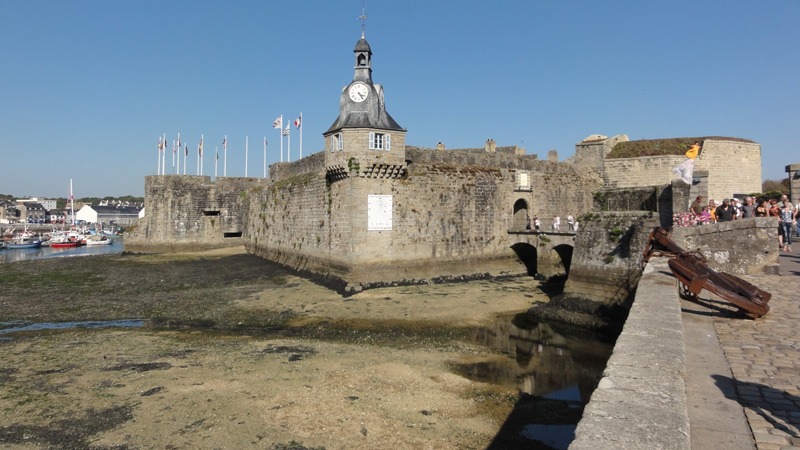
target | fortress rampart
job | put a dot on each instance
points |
(450, 212)
(722, 169)
(186, 212)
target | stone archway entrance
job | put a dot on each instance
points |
(520, 217)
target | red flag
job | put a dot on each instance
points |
(224, 140)
(297, 122)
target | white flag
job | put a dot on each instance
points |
(277, 124)
(685, 171)
(286, 131)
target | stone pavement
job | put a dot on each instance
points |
(763, 377)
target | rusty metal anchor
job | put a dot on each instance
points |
(694, 275)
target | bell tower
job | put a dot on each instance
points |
(364, 140)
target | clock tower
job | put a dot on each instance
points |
(364, 140)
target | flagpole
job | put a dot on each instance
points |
(265, 157)
(225, 162)
(280, 130)
(179, 157)
(202, 159)
(158, 158)
(300, 125)
(164, 160)
(288, 145)
(174, 160)
(245, 155)
(216, 158)
(173, 152)
(185, 156)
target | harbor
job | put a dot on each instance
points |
(24, 242)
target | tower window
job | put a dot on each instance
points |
(379, 141)
(337, 143)
(362, 60)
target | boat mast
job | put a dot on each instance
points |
(72, 203)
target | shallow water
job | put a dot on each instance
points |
(20, 326)
(25, 254)
(555, 368)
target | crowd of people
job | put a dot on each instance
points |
(788, 215)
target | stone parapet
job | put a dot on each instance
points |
(640, 403)
(744, 246)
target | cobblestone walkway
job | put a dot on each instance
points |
(764, 356)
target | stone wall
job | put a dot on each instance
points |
(591, 152)
(731, 167)
(451, 212)
(640, 402)
(605, 268)
(745, 246)
(793, 172)
(187, 212)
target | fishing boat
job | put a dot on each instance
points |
(98, 240)
(65, 239)
(24, 243)
(64, 244)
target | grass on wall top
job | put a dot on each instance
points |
(661, 147)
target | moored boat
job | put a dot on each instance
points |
(24, 243)
(97, 240)
(64, 244)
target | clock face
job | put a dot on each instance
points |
(358, 92)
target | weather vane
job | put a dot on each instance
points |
(363, 16)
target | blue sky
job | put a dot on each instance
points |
(87, 87)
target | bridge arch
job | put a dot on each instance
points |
(564, 252)
(529, 256)
(519, 219)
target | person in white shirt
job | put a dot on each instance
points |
(556, 223)
(571, 222)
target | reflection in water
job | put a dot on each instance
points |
(554, 367)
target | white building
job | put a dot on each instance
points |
(121, 215)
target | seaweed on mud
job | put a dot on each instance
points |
(69, 434)
(7, 374)
(293, 445)
(153, 391)
(281, 349)
(141, 367)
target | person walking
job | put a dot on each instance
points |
(788, 220)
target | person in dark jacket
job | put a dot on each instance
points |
(725, 212)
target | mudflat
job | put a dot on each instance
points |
(236, 352)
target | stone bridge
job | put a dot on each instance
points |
(543, 252)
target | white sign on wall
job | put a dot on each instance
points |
(379, 213)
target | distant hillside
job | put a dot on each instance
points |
(661, 147)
